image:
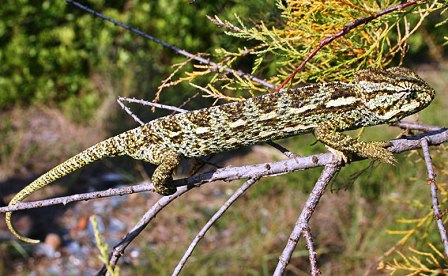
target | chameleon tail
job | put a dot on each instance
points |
(113, 146)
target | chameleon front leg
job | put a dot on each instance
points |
(327, 133)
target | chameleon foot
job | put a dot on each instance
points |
(375, 150)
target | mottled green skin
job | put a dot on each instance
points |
(375, 97)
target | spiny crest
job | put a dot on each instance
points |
(394, 93)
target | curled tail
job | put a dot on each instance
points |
(113, 146)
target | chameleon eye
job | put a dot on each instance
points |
(413, 95)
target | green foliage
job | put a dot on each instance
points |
(44, 57)
(55, 54)
(415, 262)
(274, 47)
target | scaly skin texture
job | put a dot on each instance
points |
(375, 97)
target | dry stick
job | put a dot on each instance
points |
(313, 256)
(345, 30)
(119, 249)
(435, 201)
(224, 174)
(233, 173)
(120, 101)
(212, 220)
(328, 173)
(214, 65)
(64, 200)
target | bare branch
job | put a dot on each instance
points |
(128, 110)
(435, 200)
(145, 187)
(215, 217)
(119, 249)
(328, 173)
(282, 149)
(301, 163)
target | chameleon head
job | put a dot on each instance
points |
(394, 93)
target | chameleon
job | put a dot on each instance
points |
(326, 109)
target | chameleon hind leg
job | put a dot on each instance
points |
(165, 158)
(327, 133)
(163, 174)
(167, 161)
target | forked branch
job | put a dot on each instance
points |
(328, 173)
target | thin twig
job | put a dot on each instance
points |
(282, 149)
(328, 173)
(233, 173)
(312, 253)
(212, 220)
(157, 105)
(144, 187)
(214, 66)
(345, 30)
(128, 110)
(435, 200)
